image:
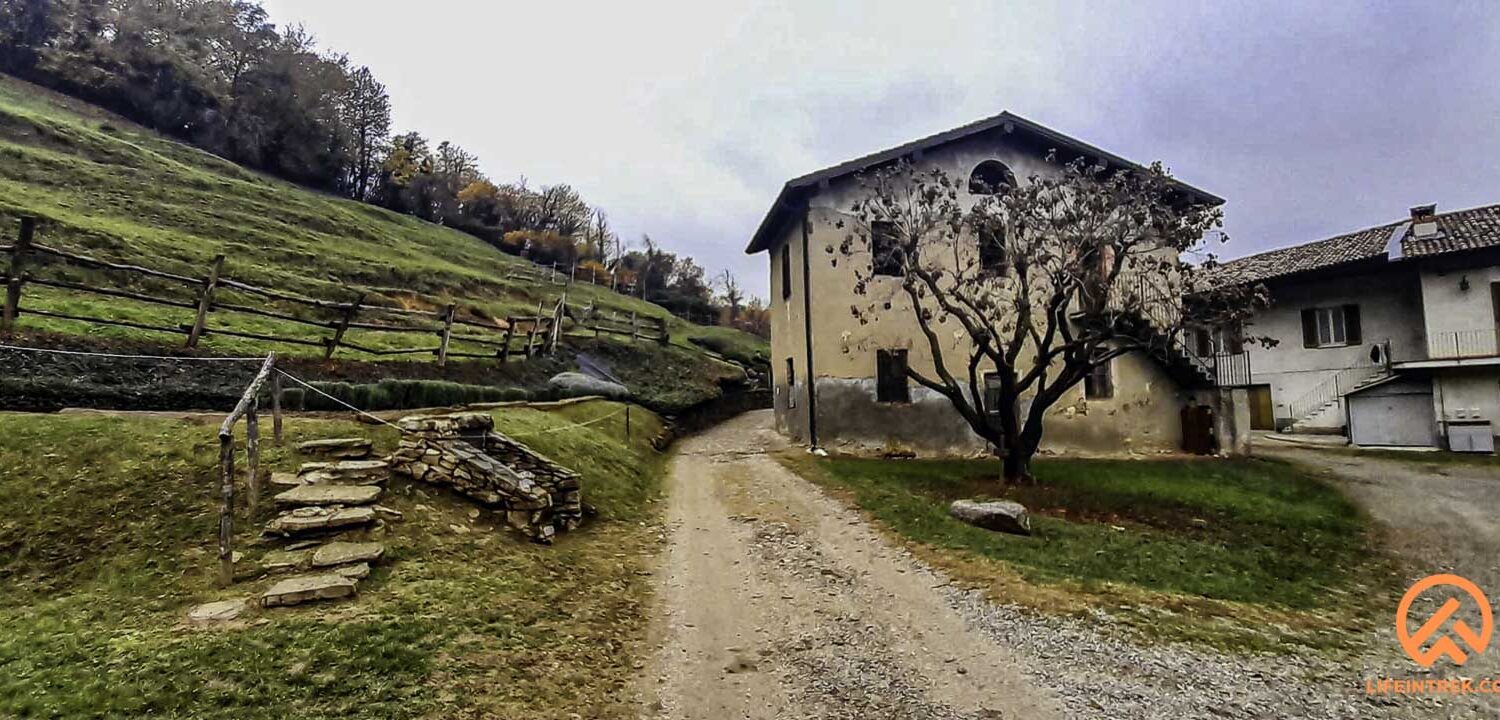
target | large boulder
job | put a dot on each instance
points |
(573, 384)
(999, 515)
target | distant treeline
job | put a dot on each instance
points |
(218, 74)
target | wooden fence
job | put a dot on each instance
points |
(247, 408)
(638, 327)
(210, 296)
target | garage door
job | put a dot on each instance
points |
(1391, 419)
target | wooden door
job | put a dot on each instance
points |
(1262, 415)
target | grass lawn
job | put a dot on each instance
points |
(1247, 554)
(116, 191)
(107, 530)
(1430, 459)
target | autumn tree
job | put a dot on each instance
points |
(1044, 281)
(731, 294)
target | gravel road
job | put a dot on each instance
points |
(779, 602)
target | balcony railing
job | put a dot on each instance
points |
(1463, 344)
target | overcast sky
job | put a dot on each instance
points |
(683, 119)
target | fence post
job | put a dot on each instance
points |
(226, 510)
(510, 329)
(205, 301)
(634, 332)
(661, 330)
(252, 454)
(17, 267)
(572, 273)
(447, 334)
(276, 407)
(536, 323)
(343, 326)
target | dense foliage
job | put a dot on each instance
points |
(220, 75)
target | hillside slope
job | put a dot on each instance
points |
(119, 192)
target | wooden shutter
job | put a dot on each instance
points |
(1309, 328)
(1351, 325)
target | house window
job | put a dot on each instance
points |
(1208, 342)
(1099, 384)
(992, 254)
(991, 177)
(786, 271)
(1330, 326)
(885, 248)
(890, 377)
(791, 384)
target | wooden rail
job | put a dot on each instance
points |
(638, 327)
(517, 335)
(246, 408)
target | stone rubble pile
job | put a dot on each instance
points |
(462, 451)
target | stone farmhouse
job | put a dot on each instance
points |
(1387, 334)
(841, 382)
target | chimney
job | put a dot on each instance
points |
(1424, 221)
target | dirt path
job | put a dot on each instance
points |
(1439, 517)
(779, 604)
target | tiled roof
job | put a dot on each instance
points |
(1459, 230)
(1360, 245)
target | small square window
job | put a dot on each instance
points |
(786, 271)
(890, 377)
(993, 258)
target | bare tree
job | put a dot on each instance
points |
(1047, 281)
(734, 297)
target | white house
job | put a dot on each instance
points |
(1388, 334)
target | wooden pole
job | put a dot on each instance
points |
(332, 344)
(252, 454)
(627, 423)
(442, 352)
(634, 332)
(536, 323)
(17, 267)
(226, 510)
(276, 407)
(205, 301)
(510, 329)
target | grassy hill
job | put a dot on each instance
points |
(118, 192)
(110, 539)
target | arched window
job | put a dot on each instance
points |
(991, 177)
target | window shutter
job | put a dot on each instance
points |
(1309, 328)
(1351, 325)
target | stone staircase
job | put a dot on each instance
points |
(335, 493)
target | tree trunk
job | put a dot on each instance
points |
(1017, 466)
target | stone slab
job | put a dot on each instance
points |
(284, 560)
(284, 479)
(337, 447)
(343, 553)
(309, 519)
(219, 611)
(307, 588)
(358, 571)
(330, 495)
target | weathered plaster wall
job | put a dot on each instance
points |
(1142, 416)
(1453, 314)
(788, 340)
(1390, 305)
(1467, 394)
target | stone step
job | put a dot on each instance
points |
(349, 472)
(314, 519)
(357, 571)
(345, 553)
(348, 448)
(220, 611)
(330, 495)
(307, 588)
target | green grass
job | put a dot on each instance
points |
(116, 191)
(1202, 541)
(1432, 459)
(107, 539)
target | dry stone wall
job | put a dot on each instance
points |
(462, 451)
